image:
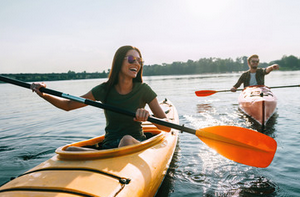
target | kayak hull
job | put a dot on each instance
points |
(135, 170)
(258, 102)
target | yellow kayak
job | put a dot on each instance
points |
(136, 170)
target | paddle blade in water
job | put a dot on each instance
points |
(239, 144)
(205, 92)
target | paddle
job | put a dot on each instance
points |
(239, 144)
(210, 92)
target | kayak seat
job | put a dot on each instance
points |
(95, 146)
(98, 146)
(149, 135)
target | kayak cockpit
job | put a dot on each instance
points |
(149, 130)
(153, 134)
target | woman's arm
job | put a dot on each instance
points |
(142, 114)
(158, 113)
(61, 103)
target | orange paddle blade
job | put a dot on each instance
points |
(205, 92)
(239, 144)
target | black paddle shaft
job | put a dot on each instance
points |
(97, 104)
(288, 86)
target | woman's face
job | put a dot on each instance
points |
(131, 69)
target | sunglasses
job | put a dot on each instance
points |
(254, 61)
(131, 59)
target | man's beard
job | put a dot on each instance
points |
(254, 67)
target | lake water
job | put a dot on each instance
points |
(31, 130)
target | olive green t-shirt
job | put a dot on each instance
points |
(118, 125)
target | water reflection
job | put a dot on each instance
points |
(214, 174)
(209, 174)
(260, 186)
(237, 180)
(167, 185)
(203, 108)
(268, 129)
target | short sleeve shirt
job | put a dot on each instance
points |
(118, 125)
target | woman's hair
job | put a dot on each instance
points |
(113, 77)
(120, 54)
(252, 56)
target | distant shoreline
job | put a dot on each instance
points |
(34, 77)
(202, 66)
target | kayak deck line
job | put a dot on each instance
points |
(46, 190)
(122, 180)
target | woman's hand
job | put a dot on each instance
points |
(141, 115)
(35, 87)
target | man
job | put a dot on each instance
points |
(254, 76)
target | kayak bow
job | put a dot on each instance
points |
(258, 102)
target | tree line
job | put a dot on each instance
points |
(70, 75)
(203, 65)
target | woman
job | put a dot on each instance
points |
(124, 89)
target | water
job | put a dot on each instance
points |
(31, 130)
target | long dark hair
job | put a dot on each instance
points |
(120, 54)
(113, 77)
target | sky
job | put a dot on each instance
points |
(54, 36)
